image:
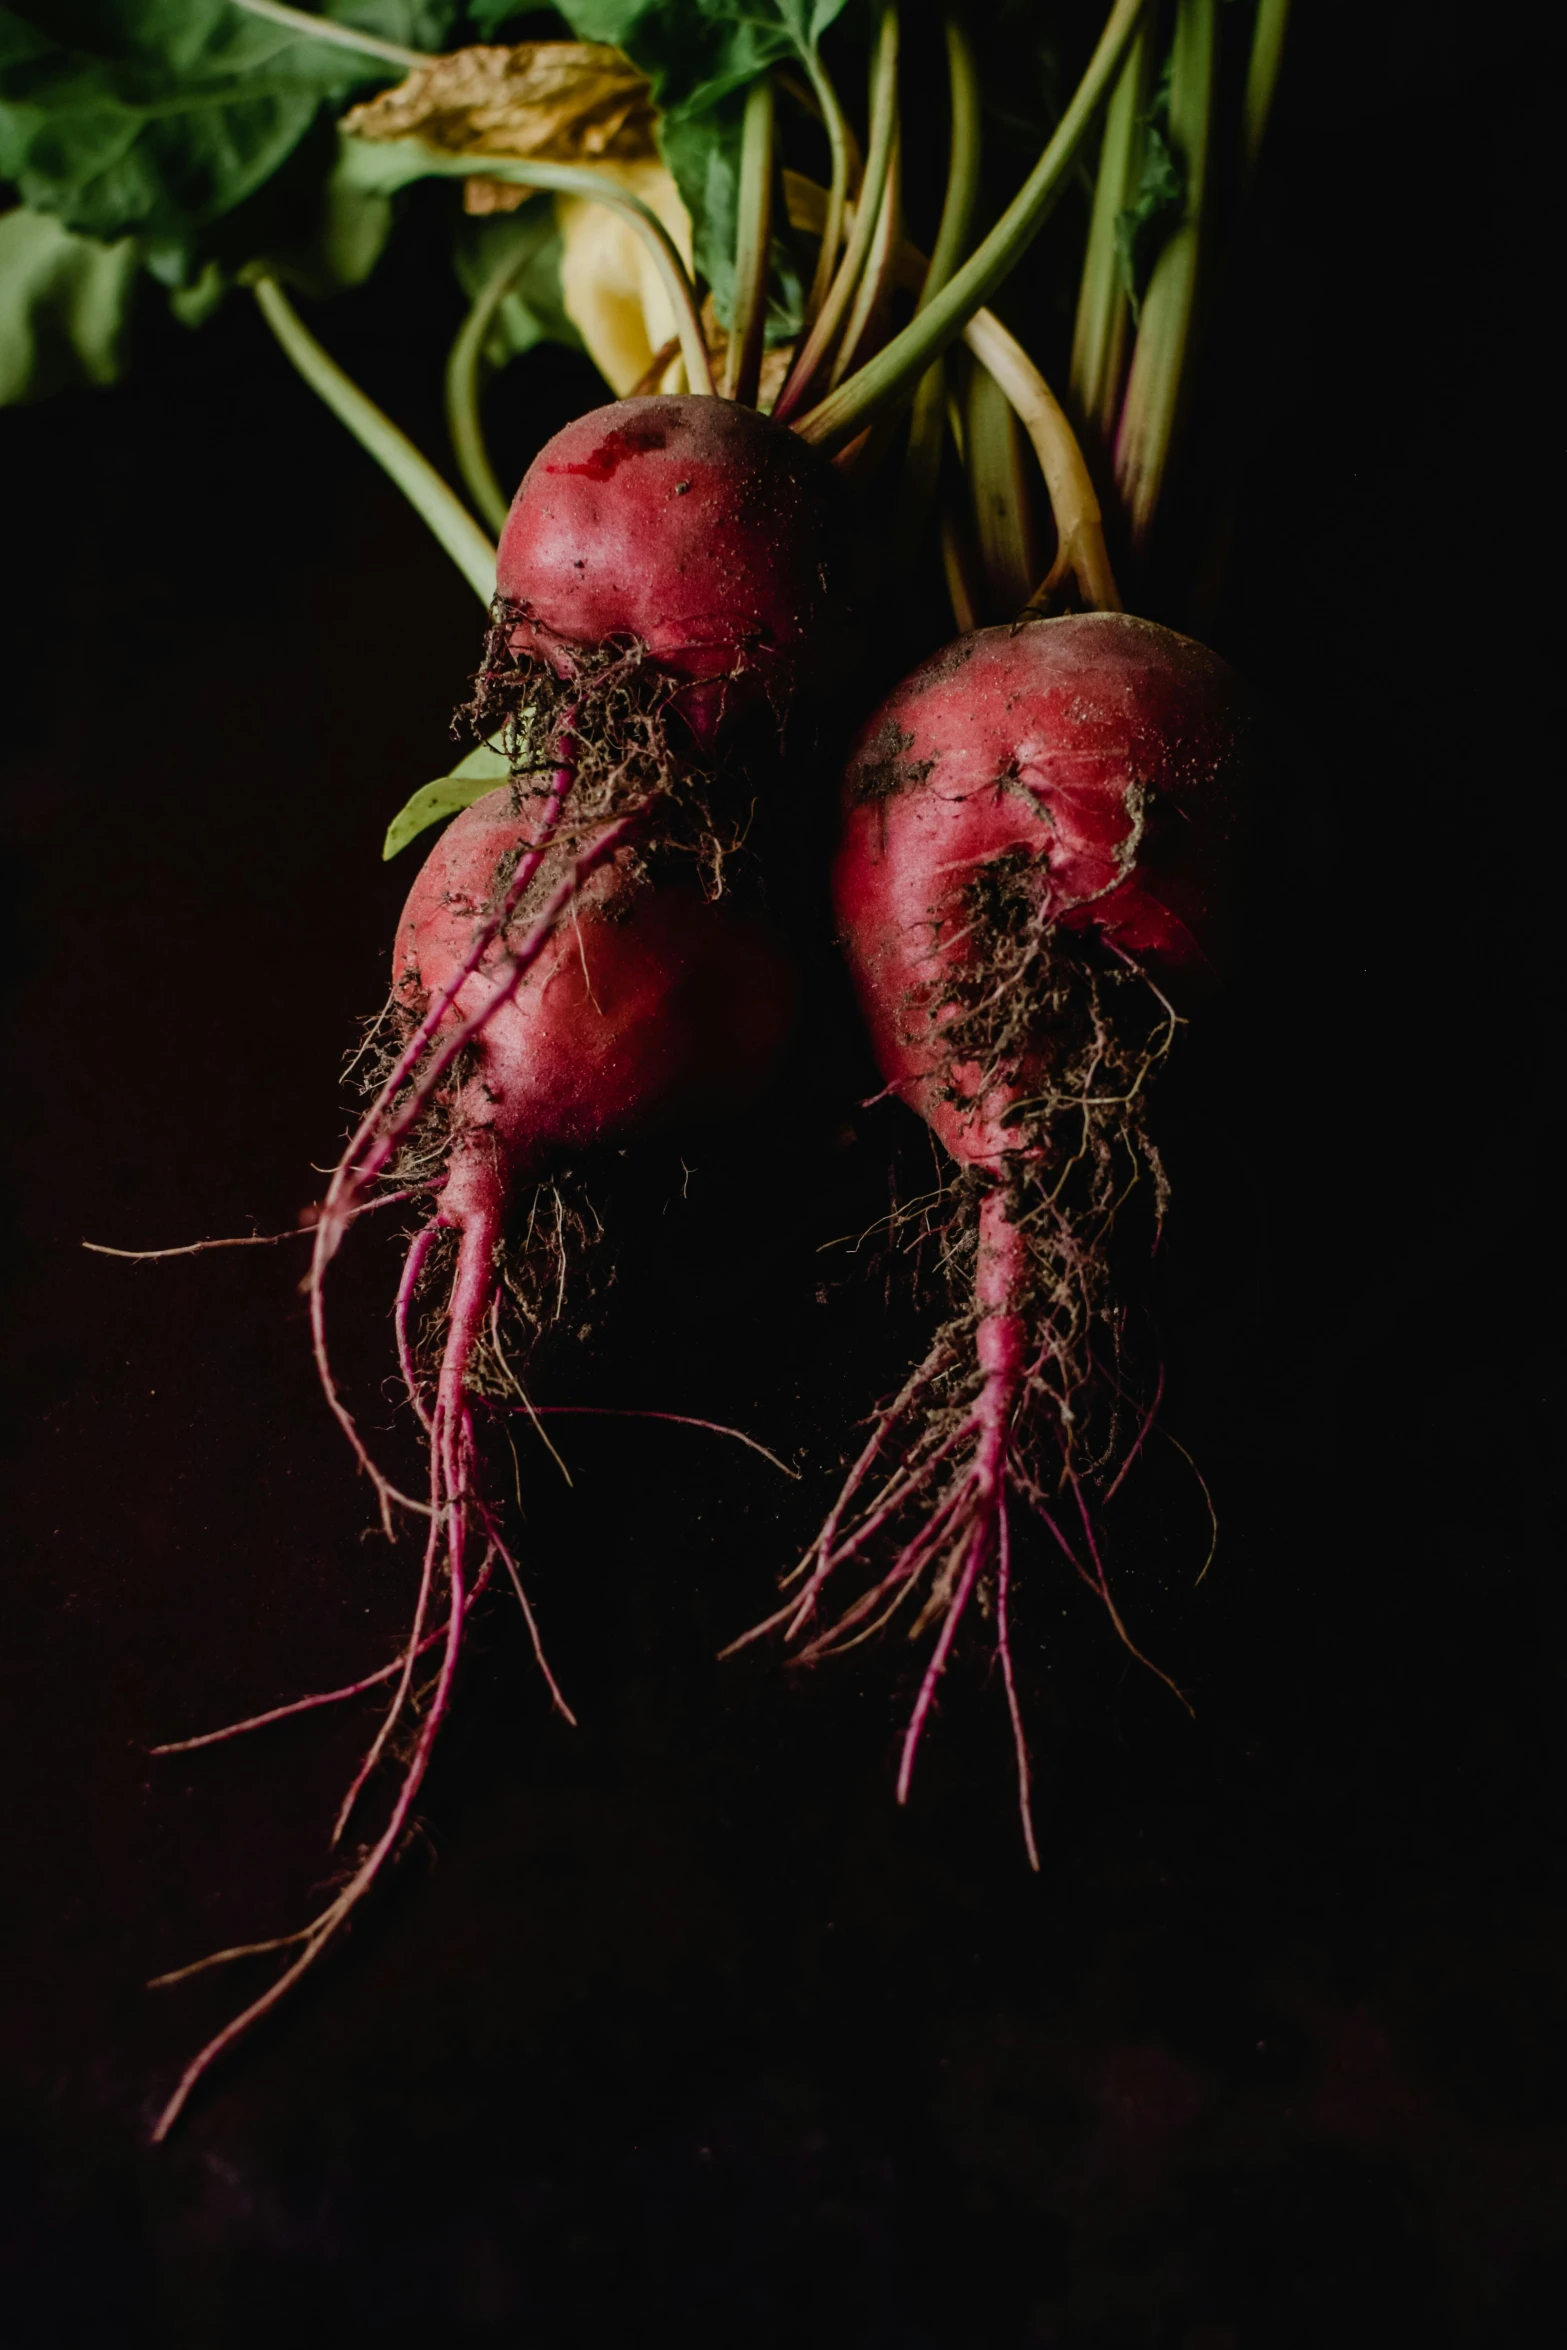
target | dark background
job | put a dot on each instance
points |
(676, 2021)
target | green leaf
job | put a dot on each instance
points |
(160, 117)
(479, 773)
(65, 304)
(700, 56)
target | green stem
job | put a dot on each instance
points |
(1099, 340)
(1079, 527)
(928, 418)
(899, 365)
(575, 179)
(884, 116)
(436, 504)
(1262, 74)
(463, 369)
(748, 323)
(840, 147)
(880, 268)
(340, 36)
(957, 207)
(1153, 388)
(998, 490)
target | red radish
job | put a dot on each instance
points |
(569, 969)
(667, 566)
(654, 1005)
(1035, 869)
(694, 529)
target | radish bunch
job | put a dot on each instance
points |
(1034, 873)
(1033, 880)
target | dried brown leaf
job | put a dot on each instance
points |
(549, 101)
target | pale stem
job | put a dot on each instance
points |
(1262, 73)
(840, 145)
(1079, 524)
(928, 416)
(1099, 339)
(900, 363)
(884, 113)
(880, 267)
(338, 36)
(1153, 390)
(596, 187)
(437, 506)
(957, 208)
(748, 324)
(463, 369)
(999, 495)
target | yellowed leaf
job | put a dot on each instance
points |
(554, 101)
(609, 282)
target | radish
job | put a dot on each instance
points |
(524, 1037)
(669, 571)
(694, 528)
(1034, 874)
(572, 967)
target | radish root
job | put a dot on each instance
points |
(1011, 1400)
(586, 809)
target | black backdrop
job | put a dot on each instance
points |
(676, 2021)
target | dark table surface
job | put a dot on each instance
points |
(675, 2021)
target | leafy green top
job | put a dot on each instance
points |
(159, 117)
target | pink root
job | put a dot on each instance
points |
(414, 1647)
(306, 1705)
(388, 1496)
(413, 1266)
(604, 1411)
(826, 1551)
(202, 1248)
(473, 1204)
(958, 1476)
(1001, 1344)
(539, 1657)
(954, 1470)
(311, 1940)
(1004, 1651)
(450, 1436)
(1099, 1583)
